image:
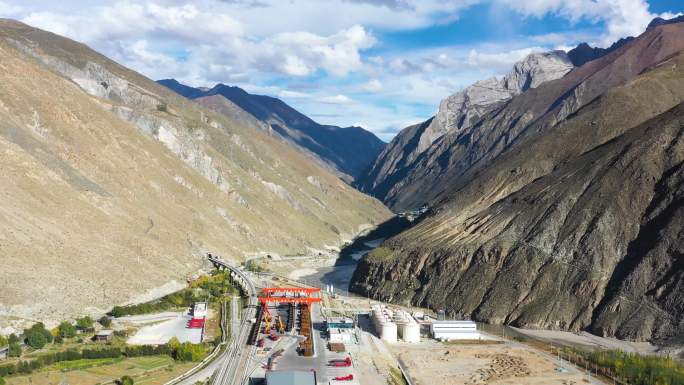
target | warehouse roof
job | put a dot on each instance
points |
(290, 377)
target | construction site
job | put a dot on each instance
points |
(288, 337)
(307, 335)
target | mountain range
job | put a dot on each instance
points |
(559, 207)
(391, 176)
(113, 187)
(346, 150)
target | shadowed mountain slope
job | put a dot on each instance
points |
(348, 150)
(565, 211)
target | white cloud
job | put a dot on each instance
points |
(499, 60)
(373, 85)
(287, 94)
(9, 10)
(126, 20)
(621, 17)
(336, 99)
(337, 54)
(210, 45)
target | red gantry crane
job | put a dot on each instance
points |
(292, 295)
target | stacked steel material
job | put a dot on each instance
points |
(382, 321)
(306, 346)
(291, 316)
(407, 327)
(255, 328)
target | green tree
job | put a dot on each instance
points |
(253, 266)
(3, 341)
(189, 352)
(2, 381)
(67, 330)
(126, 380)
(14, 349)
(174, 344)
(105, 321)
(13, 338)
(37, 336)
(36, 340)
(85, 323)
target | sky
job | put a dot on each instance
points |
(379, 64)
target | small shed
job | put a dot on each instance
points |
(4, 352)
(200, 310)
(104, 335)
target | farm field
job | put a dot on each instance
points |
(154, 370)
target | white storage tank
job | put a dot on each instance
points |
(411, 332)
(408, 328)
(388, 332)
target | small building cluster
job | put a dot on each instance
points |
(340, 330)
(394, 324)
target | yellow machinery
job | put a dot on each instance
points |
(267, 321)
(281, 324)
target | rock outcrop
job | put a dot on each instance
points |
(563, 210)
(114, 187)
(457, 115)
(345, 150)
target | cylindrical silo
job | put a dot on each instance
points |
(388, 332)
(411, 332)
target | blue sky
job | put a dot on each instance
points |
(381, 64)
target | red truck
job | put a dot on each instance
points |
(273, 336)
(344, 378)
(341, 363)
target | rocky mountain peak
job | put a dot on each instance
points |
(585, 53)
(460, 110)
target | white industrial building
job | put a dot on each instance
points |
(454, 330)
(343, 336)
(340, 329)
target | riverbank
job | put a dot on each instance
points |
(334, 268)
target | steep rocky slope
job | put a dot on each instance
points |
(113, 187)
(577, 223)
(457, 115)
(347, 150)
(447, 161)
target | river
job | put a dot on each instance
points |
(339, 275)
